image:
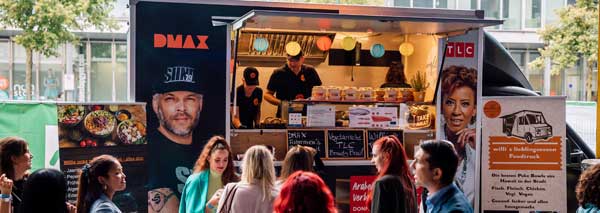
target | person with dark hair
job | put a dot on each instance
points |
(294, 80)
(98, 183)
(248, 100)
(214, 169)
(395, 77)
(298, 158)
(434, 167)
(588, 190)
(459, 109)
(46, 191)
(393, 191)
(304, 192)
(15, 162)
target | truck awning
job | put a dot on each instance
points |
(313, 21)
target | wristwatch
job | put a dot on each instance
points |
(6, 197)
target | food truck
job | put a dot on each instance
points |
(526, 124)
(350, 47)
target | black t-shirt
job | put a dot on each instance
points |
(17, 194)
(249, 106)
(169, 163)
(289, 86)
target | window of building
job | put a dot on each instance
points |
(533, 13)
(402, 3)
(511, 13)
(445, 4)
(423, 3)
(492, 9)
(101, 73)
(4, 70)
(519, 58)
(551, 7)
(121, 72)
(467, 4)
(51, 73)
(19, 74)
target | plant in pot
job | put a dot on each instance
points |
(419, 84)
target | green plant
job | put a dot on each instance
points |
(419, 82)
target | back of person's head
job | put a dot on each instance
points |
(11, 147)
(304, 192)
(443, 156)
(588, 187)
(217, 143)
(395, 73)
(298, 158)
(258, 169)
(45, 191)
(90, 188)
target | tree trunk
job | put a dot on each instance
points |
(588, 82)
(28, 68)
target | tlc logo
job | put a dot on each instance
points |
(461, 49)
(177, 42)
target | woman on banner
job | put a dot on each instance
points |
(393, 190)
(304, 192)
(255, 192)
(15, 162)
(214, 169)
(588, 190)
(98, 183)
(459, 108)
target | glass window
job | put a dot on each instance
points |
(51, 72)
(467, 4)
(556, 84)
(402, 3)
(519, 58)
(101, 72)
(491, 8)
(571, 2)
(4, 71)
(533, 13)
(19, 75)
(448, 4)
(551, 6)
(121, 74)
(511, 13)
(423, 3)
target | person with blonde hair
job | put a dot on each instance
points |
(255, 192)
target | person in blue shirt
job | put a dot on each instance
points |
(435, 166)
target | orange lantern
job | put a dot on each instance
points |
(324, 43)
(3, 83)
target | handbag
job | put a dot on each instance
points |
(229, 199)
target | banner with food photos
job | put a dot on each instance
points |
(524, 168)
(457, 105)
(89, 130)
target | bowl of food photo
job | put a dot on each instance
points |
(131, 132)
(70, 115)
(100, 123)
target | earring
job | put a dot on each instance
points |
(104, 187)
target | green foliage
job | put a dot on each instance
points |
(419, 82)
(574, 35)
(45, 24)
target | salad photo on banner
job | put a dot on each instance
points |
(458, 105)
(87, 131)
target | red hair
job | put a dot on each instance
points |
(391, 148)
(304, 192)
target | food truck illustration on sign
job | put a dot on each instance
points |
(526, 124)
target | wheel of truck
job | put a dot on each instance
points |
(528, 137)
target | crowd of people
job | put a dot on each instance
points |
(215, 185)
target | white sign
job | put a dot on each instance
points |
(69, 81)
(523, 165)
(320, 116)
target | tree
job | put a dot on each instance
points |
(45, 24)
(573, 37)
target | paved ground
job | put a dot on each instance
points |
(582, 117)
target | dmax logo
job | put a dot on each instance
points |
(177, 42)
(460, 50)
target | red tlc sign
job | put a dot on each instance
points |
(360, 187)
(460, 49)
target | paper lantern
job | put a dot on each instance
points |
(3, 83)
(406, 49)
(324, 43)
(292, 48)
(348, 43)
(377, 50)
(260, 44)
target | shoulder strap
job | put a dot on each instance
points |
(229, 199)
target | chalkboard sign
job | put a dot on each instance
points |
(312, 138)
(373, 135)
(346, 144)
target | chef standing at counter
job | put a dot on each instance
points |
(294, 80)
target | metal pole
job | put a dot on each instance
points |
(598, 108)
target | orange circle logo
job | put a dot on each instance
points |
(252, 75)
(255, 102)
(302, 77)
(492, 109)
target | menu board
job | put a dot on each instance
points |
(374, 134)
(346, 144)
(307, 137)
